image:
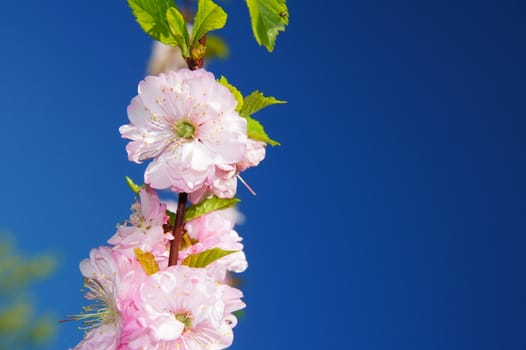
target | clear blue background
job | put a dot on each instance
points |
(393, 214)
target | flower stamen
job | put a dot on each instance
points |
(184, 129)
(102, 311)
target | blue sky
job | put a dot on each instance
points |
(392, 216)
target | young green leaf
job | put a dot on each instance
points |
(147, 261)
(177, 26)
(208, 205)
(268, 18)
(256, 101)
(255, 131)
(151, 16)
(238, 96)
(132, 185)
(209, 17)
(207, 257)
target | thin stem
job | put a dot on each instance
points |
(178, 229)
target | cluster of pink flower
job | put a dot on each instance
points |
(187, 123)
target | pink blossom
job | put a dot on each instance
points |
(222, 182)
(144, 230)
(183, 308)
(186, 121)
(215, 230)
(110, 279)
(254, 155)
(102, 337)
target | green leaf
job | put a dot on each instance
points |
(268, 18)
(207, 257)
(132, 185)
(255, 131)
(151, 16)
(147, 261)
(238, 96)
(256, 101)
(178, 28)
(209, 17)
(209, 205)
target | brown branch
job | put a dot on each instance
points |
(178, 229)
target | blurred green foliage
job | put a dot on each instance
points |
(216, 47)
(21, 326)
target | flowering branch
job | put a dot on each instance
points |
(199, 133)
